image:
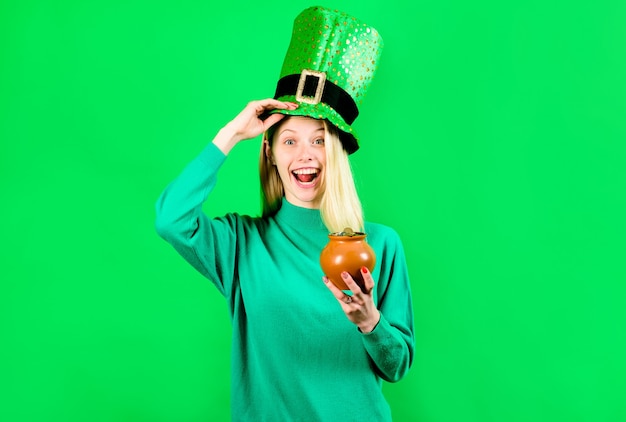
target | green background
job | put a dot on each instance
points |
(492, 141)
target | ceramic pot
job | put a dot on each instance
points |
(346, 251)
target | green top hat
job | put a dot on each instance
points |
(328, 68)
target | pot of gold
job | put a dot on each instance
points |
(347, 251)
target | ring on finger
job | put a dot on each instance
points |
(348, 299)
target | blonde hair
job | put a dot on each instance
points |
(340, 205)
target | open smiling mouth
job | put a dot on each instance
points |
(306, 176)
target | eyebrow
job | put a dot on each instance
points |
(291, 130)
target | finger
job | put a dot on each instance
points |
(334, 290)
(272, 104)
(272, 120)
(368, 280)
(354, 288)
(263, 108)
(339, 295)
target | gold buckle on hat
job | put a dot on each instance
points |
(318, 91)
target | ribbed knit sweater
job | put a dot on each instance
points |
(295, 354)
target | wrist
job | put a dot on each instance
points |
(226, 139)
(368, 326)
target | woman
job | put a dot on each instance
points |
(302, 350)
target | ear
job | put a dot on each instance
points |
(268, 151)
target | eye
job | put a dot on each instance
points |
(289, 141)
(319, 141)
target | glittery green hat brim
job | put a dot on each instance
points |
(320, 111)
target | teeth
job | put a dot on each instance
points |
(305, 171)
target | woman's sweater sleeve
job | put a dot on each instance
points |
(391, 344)
(207, 244)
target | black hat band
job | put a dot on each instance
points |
(313, 87)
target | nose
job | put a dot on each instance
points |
(305, 152)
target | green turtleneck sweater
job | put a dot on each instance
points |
(295, 354)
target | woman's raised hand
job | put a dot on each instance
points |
(248, 123)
